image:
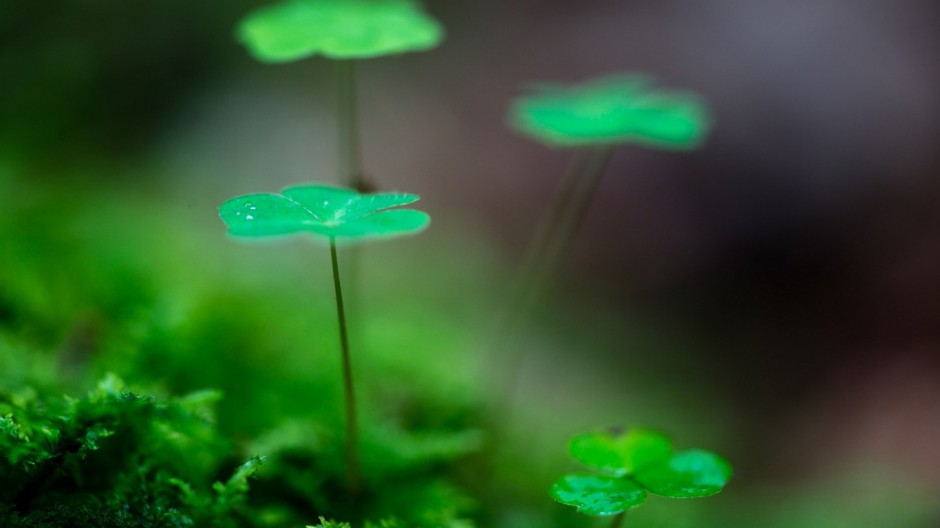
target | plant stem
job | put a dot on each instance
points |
(347, 126)
(553, 239)
(543, 257)
(351, 446)
(350, 162)
(577, 193)
(618, 520)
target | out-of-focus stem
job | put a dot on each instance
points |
(348, 127)
(617, 522)
(349, 156)
(560, 227)
(550, 244)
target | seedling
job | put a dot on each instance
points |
(634, 463)
(337, 214)
(342, 30)
(595, 118)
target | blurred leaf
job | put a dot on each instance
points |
(388, 449)
(325, 211)
(688, 474)
(611, 110)
(597, 494)
(338, 29)
(620, 453)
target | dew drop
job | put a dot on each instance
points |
(249, 217)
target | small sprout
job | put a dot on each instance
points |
(332, 212)
(327, 211)
(595, 118)
(338, 29)
(611, 111)
(640, 461)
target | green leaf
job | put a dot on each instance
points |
(234, 491)
(338, 29)
(597, 494)
(326, 211)
(620, 453)
(609, 111)
(687, 474)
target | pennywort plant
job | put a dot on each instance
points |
(631, 464)
(343, 31)
(336, 214)
(594, 118)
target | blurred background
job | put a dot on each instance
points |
(774, 295)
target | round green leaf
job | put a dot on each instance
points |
(338, 29)
(687, 474)
(328, 211)
(609, 111)
(620, 453)
(597, 494)
(260, 215)
(334, 205)
(382, 224)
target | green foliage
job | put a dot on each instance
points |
(115, 458)
(620, 454)
(598, 494)
(686, 474)
(163, 314)
(338, 29)
(611, 110)
(327, 211)
(402, 471)
(639, 461)
(94, 281)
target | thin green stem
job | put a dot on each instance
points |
(553, 239)
(350, 163)
(351, 446)
(618, 520)
(579, 195)
(349, 154)
(548, 229)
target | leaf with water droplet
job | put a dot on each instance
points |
(620, 453)
(687, 474)
(321, 210)
(613, 110)
(338, 29)
(598, 494)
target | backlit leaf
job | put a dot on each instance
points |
(687, 474)
(620, 453)
(328, 211)
(609, 111)
(338, 29)
(597, 494)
